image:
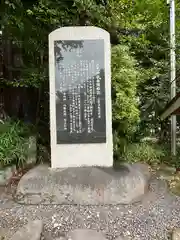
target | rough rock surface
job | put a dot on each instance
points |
(121, 238)
(85, 234)
(31, 231)
(84, 185)
(88, 234)
(176, 234)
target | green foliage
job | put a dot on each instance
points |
(13, 148)
(152, 153)
(144, 152)
(125, 78)
(140, 54)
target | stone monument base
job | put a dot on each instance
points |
(84, 185)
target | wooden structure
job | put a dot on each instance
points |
(172, 108)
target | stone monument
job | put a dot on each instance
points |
(82, 170)
(80, 97)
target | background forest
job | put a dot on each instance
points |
(139, 32)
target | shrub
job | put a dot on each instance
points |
(125, 78)
(144, 152)
(13, 148)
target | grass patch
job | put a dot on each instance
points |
(13, 144)
(144, 152)
(152, 153)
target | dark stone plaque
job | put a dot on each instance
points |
(80, 91)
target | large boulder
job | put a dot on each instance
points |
(31, 231)
(84, 185)
(85, 234)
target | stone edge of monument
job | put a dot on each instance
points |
(81, 154)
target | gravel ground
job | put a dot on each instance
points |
(153, 218)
